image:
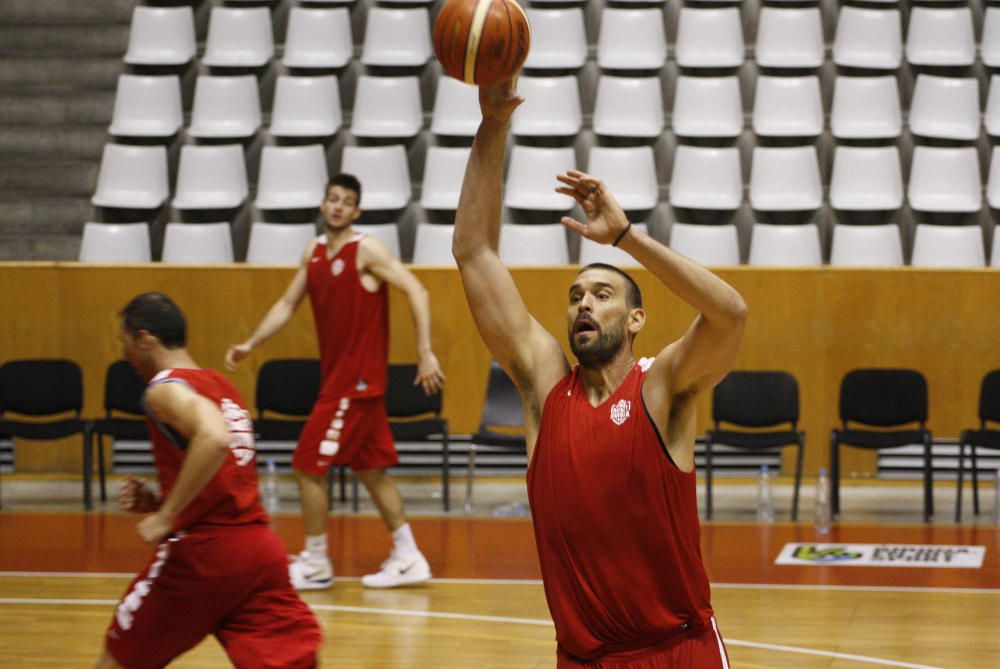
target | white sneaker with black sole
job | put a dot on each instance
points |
(309, 574)
(399, 570)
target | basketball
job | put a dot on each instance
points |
(481, 42)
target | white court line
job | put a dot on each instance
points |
(515, 581)
(56, 602)
(827, 653)
(495, 619)
(68, 574)
(428, 614)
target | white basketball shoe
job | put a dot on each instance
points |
(399, 570)
(309, 574)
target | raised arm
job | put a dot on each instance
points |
(201, 424)
(277, 316)
(706, 352)
(376, 259)
(530, 355)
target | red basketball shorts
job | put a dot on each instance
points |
(346, 431)
(228, 581)
(703, 650)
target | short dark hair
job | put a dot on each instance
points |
(159, 315)
(633, 296)
(344, 180)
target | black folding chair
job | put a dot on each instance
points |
(755, 400)
(882, 398)
(984, 437)
(124, 417)
(502, 410)
(415, 416)
(51, 389)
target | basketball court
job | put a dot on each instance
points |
(62, 572)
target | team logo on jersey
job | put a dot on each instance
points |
(337, 267)
(621, 411)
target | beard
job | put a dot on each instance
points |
(602, 348)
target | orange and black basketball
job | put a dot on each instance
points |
(482, 42)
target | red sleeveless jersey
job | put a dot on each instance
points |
(352, 323)
(616, 524)
(231, 496)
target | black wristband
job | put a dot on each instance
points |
(621, 234)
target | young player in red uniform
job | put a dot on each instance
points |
(218, 568)
(611, 477)
(345, 273)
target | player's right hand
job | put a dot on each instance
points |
(499, 101)
(235, 355)
(135, 496)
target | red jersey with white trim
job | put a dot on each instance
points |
(352, 323)
(616, 524)
(231, 496)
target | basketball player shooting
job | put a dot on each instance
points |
(611, 479)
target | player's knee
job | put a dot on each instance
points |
(308, 477)
(372, 476)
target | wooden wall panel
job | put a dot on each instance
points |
(816, 323)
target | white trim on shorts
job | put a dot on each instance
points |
(722, 647)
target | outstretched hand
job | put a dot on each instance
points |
(429, 374)
(235, 355)
(605, 218)
(499, 101)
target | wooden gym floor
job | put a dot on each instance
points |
(61, 574)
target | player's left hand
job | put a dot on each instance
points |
(154, 528)
(429, 374)
(605, 218)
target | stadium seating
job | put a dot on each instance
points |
(866, 246)
(631, 39)
(633, 107)
(306, 107)
(656, 138)
(706, 178)
(788, 107)
(225, 107)
(291, 177)
(709, 37)
(278, 243)
(558, 39)
(211, 177)
(161, 36)
(115, 243)
(318, 38)
(785, 245)
(147, 106)
(399, 37)
(132, 177)
(551, 107)
(239, 37)
(387, 107)
(197, 243)
(383, 171)
(706, 244)
(707, 107)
